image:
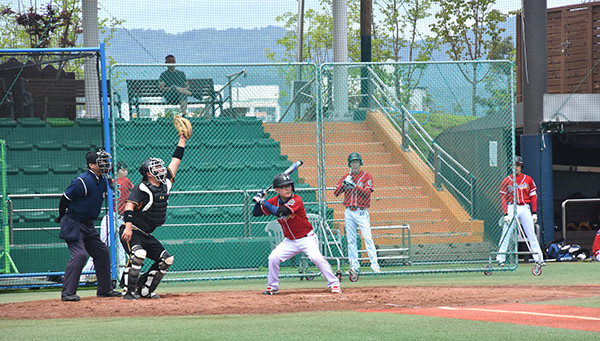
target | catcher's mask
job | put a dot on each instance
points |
(156, 167)
(354, 156)
(102, 159)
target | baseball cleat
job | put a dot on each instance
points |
(130, 296)
(336, 289)
(377, 270)
(152, 295)
(270, 291)
(70, 298)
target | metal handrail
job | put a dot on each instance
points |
(439, 154)
(298, 93)
(564, 212)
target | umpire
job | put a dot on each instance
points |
(79, 206)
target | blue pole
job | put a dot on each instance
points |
(106, 117)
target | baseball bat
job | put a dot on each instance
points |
(291, 169)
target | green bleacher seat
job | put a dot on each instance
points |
(88, 122)
(12, 169)
(6, 122)
(35, 169)
(36, 216)
(19, 145)
(59, 122)
(80, 145)
(65, 168)
(31, 122)
(48, 145)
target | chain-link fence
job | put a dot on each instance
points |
(437, 139)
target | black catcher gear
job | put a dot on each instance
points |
(102, 159)
(156, 167)
(354, 156)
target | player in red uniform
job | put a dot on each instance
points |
(297, 230)
(526, 197)
(596, 246)
(357, 187)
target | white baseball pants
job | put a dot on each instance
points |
(289, 248)
(524, 217)
(359, 219)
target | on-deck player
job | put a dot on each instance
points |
(357, 187)
(526, 212)
(297, 230)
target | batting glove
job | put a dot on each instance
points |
(258, 198)
(506, 218)
(534, 217)
(348, 182)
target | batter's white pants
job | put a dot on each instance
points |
(289, 248)
(359, 219)
(104, 232)
(524, 217)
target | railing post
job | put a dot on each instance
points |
(437, 165)
(405, 142)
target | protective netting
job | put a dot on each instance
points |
(42, 121)
(436, 137)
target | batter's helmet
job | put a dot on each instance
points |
(156, 167)
(283, 179)
(354, 156)
(519, 160)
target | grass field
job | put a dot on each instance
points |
(350, 325)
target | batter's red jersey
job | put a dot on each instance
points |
(296, 224)
(526, 192)
(596, 246)
(124, 186)
(360, 195)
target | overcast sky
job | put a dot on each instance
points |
(176, 16)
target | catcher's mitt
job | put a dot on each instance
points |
(183, 126)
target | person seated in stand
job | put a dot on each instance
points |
(174, 85)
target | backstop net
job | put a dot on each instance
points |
(50, 117)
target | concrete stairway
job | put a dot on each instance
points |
(402, 194)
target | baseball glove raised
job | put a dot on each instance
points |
(183, 126)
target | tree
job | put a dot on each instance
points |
(397, 29)
(318, 38)
(54, 24)
(468, 29)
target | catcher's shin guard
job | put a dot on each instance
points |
(153, 277)
(132, 272)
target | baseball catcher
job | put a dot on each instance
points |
(145, 210)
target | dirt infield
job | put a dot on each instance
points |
(293, 300)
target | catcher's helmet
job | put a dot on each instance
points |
(282, 179)
(354, 156)
(519, 160)
(102, 159)
(156, 167)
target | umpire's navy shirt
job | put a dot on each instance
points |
(86, 194)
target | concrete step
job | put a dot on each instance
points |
(305, 137)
